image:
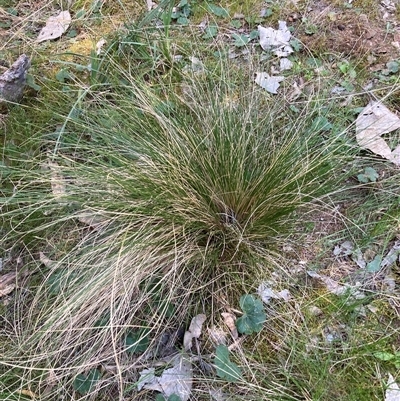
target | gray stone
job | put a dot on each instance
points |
(12, 82)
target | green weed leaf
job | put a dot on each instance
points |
(253, 317)
(210, 32)
(137, 341)
(369, 175)
(218, 11)
(83, 384)
(172, 397)
(236, 24)
(393, 66)
(30, 81)
(375, 264)
(384, 356)
(240, 40)
(225, 368)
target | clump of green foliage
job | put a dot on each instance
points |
(169, 181)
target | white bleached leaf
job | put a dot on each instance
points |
(55, 27)
(194, 331)
(266, 293)
(99, 45)
(276, 40)
(45, 260)
(176, 380)
(392, 390)
(217, 395)
(150, 5)
(374, 121)
(229, 320)
(148, 380)
(285, 64)
(335, 288)
(392, 256)
(344, 249)
(267, 82)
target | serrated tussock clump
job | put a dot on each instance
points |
(167, 188)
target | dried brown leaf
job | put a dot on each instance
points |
(229, 320)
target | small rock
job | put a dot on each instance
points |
(12, 82)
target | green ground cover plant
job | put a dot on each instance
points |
(159, 182)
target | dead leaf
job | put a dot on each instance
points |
(217, 336)
(55, 27)
(229, 320)
(7, 283)
(28, 393)
(218, 395)
(374, 121)
(45, 260)
(267, 82)
(276, 40)
(392, 390)
(335, 288)
(194, 331)
(176, 380)
(90, 219)
(150, 5)
(285, 64)
(266, 293)
(99, 45)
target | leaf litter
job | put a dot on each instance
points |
(194, 331)
(374, 121)
(175, 380)
(276, 41)
(55, 27)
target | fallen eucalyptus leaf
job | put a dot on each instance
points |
(374, 121)
(267, 82)
(55, 27)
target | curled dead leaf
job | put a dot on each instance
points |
(194, 330)
(229, 320)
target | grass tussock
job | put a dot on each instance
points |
(174, 191)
